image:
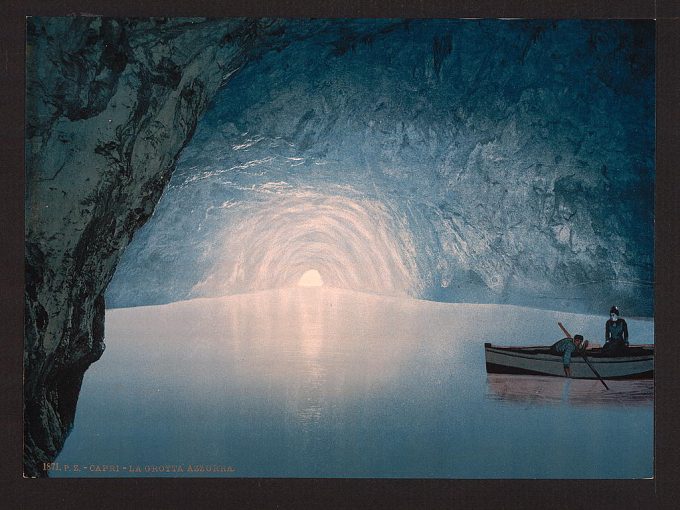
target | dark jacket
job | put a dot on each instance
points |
(616, 331)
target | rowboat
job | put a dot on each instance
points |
(635, 362)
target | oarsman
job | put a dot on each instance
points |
(565, 348)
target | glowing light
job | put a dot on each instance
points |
(311, 278)
(355, 242)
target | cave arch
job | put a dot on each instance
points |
(110, 110)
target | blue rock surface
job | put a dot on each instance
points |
(482, 161)
(477, 161)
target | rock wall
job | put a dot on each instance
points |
(110, 105)
(514, 161)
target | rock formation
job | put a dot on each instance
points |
(502, 163)
(112, 103)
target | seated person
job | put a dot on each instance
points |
(615, 332)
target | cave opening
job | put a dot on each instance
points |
(310, 278)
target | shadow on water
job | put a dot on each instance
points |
(578, 392)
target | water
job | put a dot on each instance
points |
(318, 382)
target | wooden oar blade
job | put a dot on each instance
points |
(564, 330)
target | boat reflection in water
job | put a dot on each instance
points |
(579, 392)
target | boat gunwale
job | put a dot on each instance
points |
(546, 356)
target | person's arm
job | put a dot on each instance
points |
(606, 331)
(566, 359)
(625, 332)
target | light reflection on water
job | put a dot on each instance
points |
(311, 403)
(318, 382)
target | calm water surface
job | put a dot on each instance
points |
(327, 383)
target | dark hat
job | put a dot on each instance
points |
(578, 337)
(614, 309)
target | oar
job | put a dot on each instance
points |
(583, 353)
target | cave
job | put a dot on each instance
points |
(453, 161)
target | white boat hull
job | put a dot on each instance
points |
(528, 361)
